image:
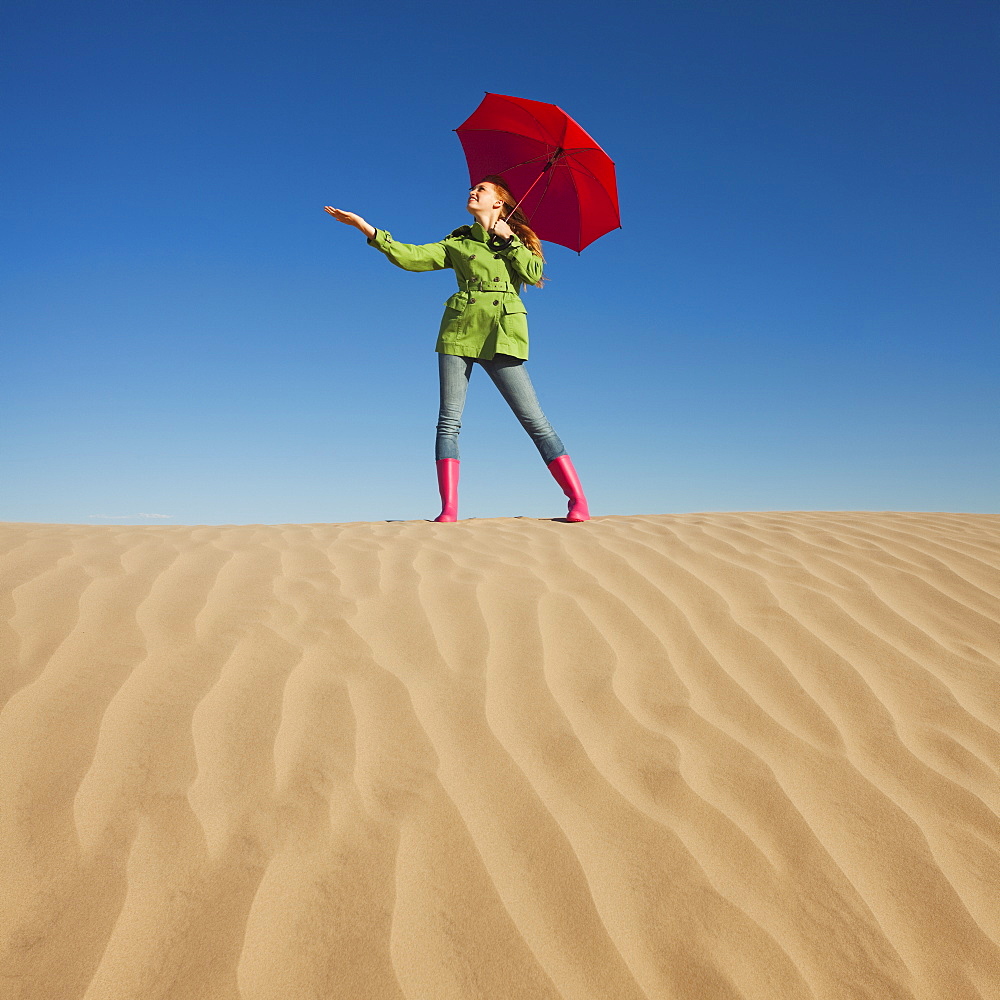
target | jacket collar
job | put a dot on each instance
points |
(477, 232)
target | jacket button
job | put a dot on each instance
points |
(473, 257)
(471, 301)
(496, 302)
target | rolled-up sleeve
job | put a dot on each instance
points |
(410, 256)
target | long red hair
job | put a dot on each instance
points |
(516, 219)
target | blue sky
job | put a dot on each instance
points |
(800, 311)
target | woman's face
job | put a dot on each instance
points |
(483, 198)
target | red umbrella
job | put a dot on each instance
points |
(564, 181)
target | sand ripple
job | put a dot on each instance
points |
(705, 756)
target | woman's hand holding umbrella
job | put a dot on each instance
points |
(350, 219)
(501, 229)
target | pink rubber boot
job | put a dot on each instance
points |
(565, 475)
(447, 470)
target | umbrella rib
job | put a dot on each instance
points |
(501, 131)
(583, 168)
(603, 191)
(585, 171)
(548, 181)
(585, 149)
(579, 215)
(528, 138)
(523, 163)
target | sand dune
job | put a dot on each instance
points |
(707, 756)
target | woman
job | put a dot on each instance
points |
(484, 323)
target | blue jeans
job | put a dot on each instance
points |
(511, 378)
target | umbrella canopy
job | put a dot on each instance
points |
(563, 181)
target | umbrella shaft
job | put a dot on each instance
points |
(552, 159)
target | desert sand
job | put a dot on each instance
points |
(706, 756)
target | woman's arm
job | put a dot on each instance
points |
(408, 256)
(526, 265)
(350, 219)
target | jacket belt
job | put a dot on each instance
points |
(485, 285)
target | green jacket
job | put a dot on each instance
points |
(486, 315)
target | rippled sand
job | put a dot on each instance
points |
(707, 756)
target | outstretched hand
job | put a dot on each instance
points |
(350, 219)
